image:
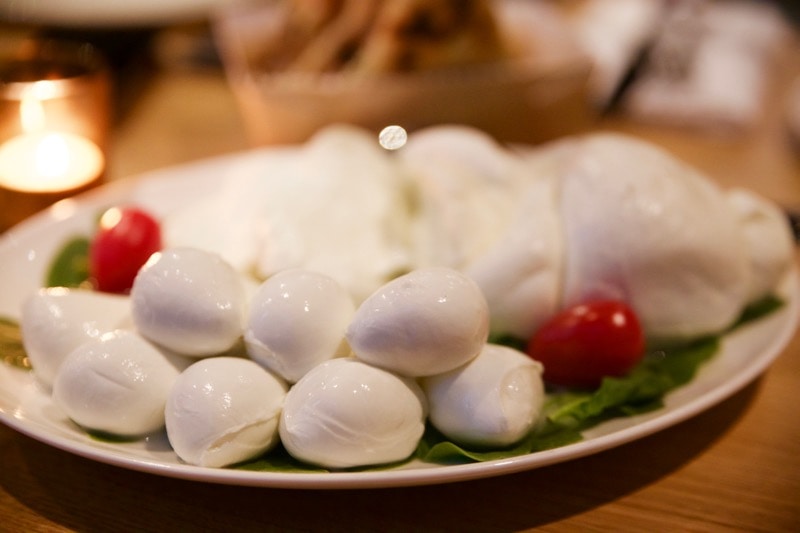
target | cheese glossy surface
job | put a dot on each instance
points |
(426, 322)
(55, 321)
(224, 410)
(492, 401)
(346, 413)
(297, 320)
(190, 301)
(117, 384)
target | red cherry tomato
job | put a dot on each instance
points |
(582, 344)
(125, 240)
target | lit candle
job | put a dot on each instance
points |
(49, 162)
(54, 100)
(42, 161)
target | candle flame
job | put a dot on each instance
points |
(52, 156)
(31, 112)
(44, 90)
(42, 158)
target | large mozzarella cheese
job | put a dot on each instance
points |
(297, 320)
(190, 301)
(770, 245)
(492, 212)
(466, 193)
(117, 383)
(643, 227)
(224, 410)
(336, 205)
(55, 321)
(426, 322)
(492, 401)
(598, 216)
(346, 413)
(228, 220)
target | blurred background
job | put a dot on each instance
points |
(225, 75)
(714, 82)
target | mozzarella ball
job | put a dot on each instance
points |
(295, 206)
(297, 320)
(643, 227)
(492, 401)
(426, 322)
(55, 321)
(190, 301)
(224, 410)
(117, 384)
(346, 413)
(770, 245)
(466, 186)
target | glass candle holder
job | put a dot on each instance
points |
(54, 121)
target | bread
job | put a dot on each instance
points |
(381, 37)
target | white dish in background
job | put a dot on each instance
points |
(105, 13)
(25, 253)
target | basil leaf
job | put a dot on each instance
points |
(568, 412)
(278, 460)
(641, 390)
(758, 309)
(70, 267)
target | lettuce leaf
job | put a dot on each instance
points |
(568, 412)
(70, 266)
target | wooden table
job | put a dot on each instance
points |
(736, 467)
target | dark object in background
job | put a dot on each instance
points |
(128, 53)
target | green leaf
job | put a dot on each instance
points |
(759, 309)
(437, 449)
(508, 340)
(278, 460)
(640, 391)
(568, 412)
(70, 267)
(442, 451)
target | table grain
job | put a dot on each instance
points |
(735, 467)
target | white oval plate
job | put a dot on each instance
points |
(106, 13)
(25, 253)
